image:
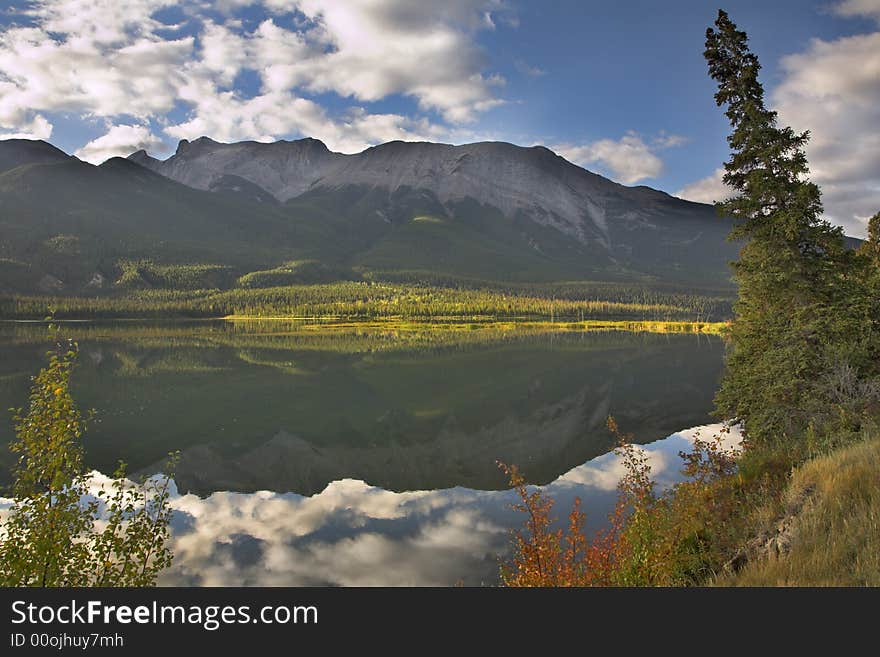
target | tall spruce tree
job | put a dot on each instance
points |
(799, 290)
(870, 251)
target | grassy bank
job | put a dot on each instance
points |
(789, 515)
(802, 514)
(449, 325)
(827, 531)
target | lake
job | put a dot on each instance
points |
(366, 454)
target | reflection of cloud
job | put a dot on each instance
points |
(604, 472)
(349, 534)
(731, 437)
(353, 534)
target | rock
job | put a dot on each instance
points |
(783, 544)
(97, 280)
(50, 284)
(283, 169)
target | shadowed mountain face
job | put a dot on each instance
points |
(491, 211)
(65, 223)
(19, 152)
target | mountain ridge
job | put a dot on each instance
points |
(488, 211)
(533, 181)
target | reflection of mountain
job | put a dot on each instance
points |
(454, 457)
(279, 412)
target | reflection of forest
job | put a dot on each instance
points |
(287, 408)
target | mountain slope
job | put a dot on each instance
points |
(68, 221)
(537, 199)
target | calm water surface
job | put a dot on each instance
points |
(366, 455)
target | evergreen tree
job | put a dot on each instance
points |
(871, 247)
(801, 294)
(870, 251)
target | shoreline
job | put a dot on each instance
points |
(435, 323)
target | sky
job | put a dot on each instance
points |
(619, 88)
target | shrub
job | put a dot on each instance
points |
(543, 556)
(56, 533)
(681, 537)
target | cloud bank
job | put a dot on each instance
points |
(137, 72)
(831, 89)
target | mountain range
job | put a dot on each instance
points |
(487, 211)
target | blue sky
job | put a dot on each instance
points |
(618, 87)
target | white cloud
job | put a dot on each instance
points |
(37, 128)
(223, 52)
(628, 159)
(360, 129)
(112, 60)
(867, 8)
(528, 70)
(710, 189)
(120, 140)
(666, 140)
(102, 22)
(42, 74)
(265, 117)
(833, 90)
(423, 50)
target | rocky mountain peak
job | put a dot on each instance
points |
(529, 182)
(283, 169)
(144, 159)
